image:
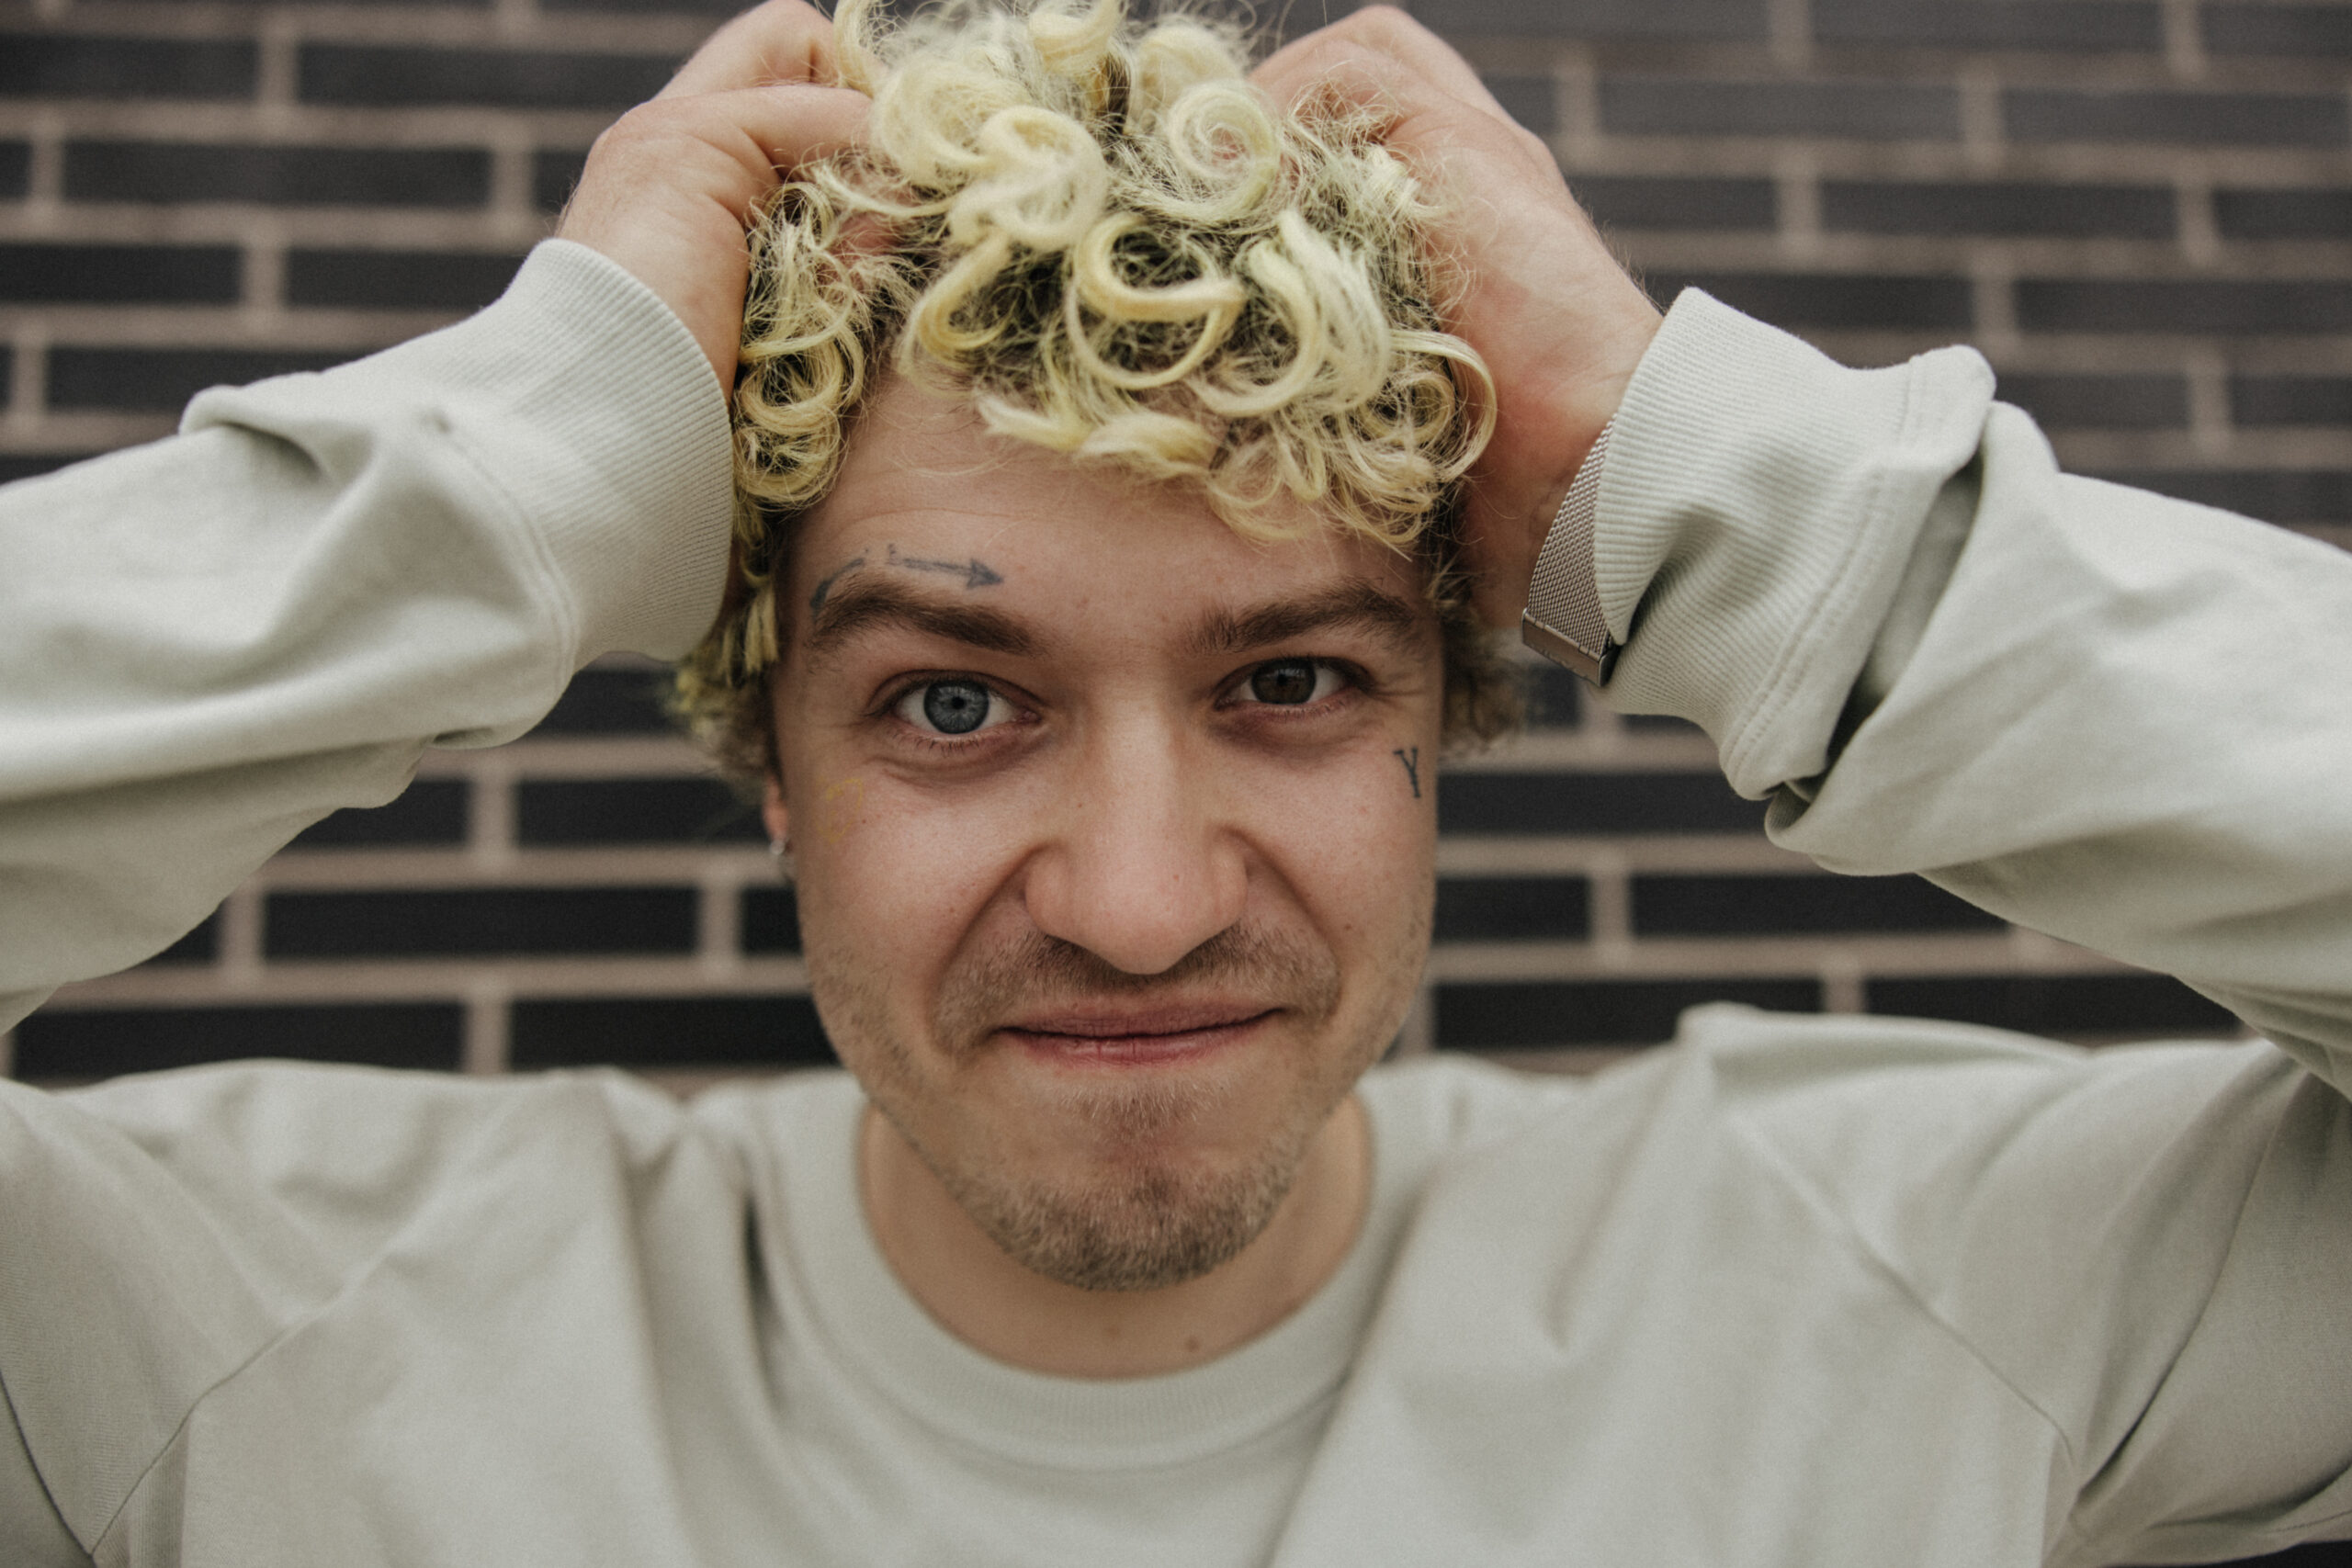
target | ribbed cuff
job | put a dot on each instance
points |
(1758, 506)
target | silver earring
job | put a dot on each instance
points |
(781, 848)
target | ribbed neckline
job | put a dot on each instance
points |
(877, 1332)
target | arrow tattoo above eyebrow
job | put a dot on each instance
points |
(816, 599)
(1412, 767)
(975, 572)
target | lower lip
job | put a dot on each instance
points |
(1136, 1050)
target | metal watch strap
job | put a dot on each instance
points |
(1563, 620)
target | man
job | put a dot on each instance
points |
(1115, 852)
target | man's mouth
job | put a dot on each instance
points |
(1140, 1035)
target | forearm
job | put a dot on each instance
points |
(211, 642)
(2121, 724)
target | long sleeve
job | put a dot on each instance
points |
(2122, 720)
(208, 643)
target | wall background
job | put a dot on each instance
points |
(2139, 210)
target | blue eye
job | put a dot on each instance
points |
(1292, 682)
(950, 707)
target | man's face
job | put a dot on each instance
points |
(1115, 834)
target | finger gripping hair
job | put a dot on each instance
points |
(1102, 236)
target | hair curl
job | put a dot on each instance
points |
(1097, 231)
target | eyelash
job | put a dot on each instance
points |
(1351, 678)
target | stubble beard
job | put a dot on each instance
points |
(1155, 1219)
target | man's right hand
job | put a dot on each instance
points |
(671, 186)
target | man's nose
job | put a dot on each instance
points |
(1142, 865)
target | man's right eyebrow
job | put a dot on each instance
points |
(866, 603)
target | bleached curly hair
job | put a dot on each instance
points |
(1102, 235)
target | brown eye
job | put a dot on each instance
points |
(1287, 682)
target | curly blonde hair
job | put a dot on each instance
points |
(1097, 231)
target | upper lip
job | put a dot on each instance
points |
(1110, 1021)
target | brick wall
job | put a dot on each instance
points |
(2141, 210)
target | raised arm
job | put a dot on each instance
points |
(208, 643)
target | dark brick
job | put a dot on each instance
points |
(610, 702)
(2296, 307)
(7, 370)
(1864, 301)
(1554, 697)
(1589, 804)
(2227, 119)
(15, 168)
(1630, 202)
(668, 1032)
(771, 920)
(2131, 25)
(633, 811)
(1885, 207)
(2100, 402)
(1531, 100)
(2052, 1004)
(291, 176)
(201, 945)
(2283, 214)
(71, 66)
(1774, 903)
(2305, 495)
(1661, 724)
(14, 466)
(119, 275)
(2315, 1554)
(552, 176)
(1676, 105)
(1597, 18)
(2298, 30)
(433, 280)
(1513, 908)
(505, 78)
(691, 7)
(466, 922)
(1532, 1014)
(101, 1042)
(430, 811)
(158, 378)
(2291, 399)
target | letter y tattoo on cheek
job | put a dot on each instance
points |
(1412, 759)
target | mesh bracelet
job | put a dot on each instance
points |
(1563, 620)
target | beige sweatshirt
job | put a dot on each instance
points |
(1807, 1291)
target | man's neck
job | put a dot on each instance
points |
(1000, 1307)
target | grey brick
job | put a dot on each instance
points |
(1675, 105)
(2299, 30)
(435, 280)
(14, 466)
(2284, 214)
(1534, 101)
(137, 379)
(1632, 202)
(2186, 305)
(2222, 119)
(1729, 20)
(1864, 301)
(1886, 206)
(2130, 25)
(165, 171)
(119, 274)
(2100, 402)
(71, 66)
(2258, 401)
(15, 168)
(552, 176)
(510, 78)
(2274, 495)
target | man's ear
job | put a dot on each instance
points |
(774, 813)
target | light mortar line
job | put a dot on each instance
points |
(42, 211)
(1981, 133)
(1579, 141)
(487, 1044)
(1796, 180)
(2200, 238)
(27, 382)
(719, 922)
(277, 86)
(264, 279)
(490, 823)
(2207, 373)
(1992, 277)
(1611, 904)
(394, 979)
(1789, 27)
(1841, 982)
(2184, 45)
(240, 967)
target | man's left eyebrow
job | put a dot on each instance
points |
(1355, 606)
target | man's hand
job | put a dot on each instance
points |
(1559, 324)
(671, 186)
